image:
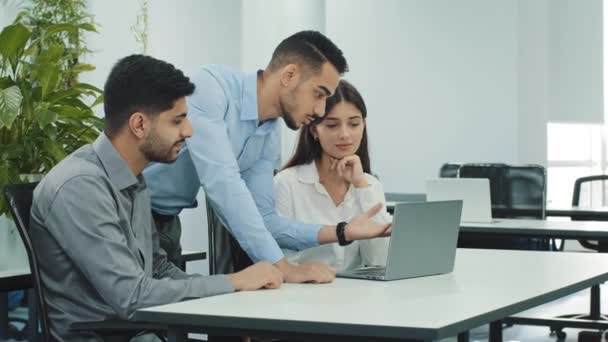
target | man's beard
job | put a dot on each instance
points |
(288, 117)
(155, 152)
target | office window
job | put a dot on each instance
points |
(573, 151)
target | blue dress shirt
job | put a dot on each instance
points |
(233, 157)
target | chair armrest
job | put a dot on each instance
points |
(193, 256)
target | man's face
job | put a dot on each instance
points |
(168, 134)
(304, 101)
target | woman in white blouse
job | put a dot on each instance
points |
(328, 180)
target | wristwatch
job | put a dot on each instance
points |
(340, 233)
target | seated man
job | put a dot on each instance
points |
(91, 224)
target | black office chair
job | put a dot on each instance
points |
(225, 256)
(19, 198)
(516, 191)
(225, 253)
(584, 189)
(449, 170)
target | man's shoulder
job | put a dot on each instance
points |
(81, 165)
(225, 75)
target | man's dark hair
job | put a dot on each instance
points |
(308, 48)
(139, 83)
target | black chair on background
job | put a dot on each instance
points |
(583, 195)
(527, 186)
(516, 191)
(19, 198)
(449, 170)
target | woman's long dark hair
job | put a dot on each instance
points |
(308, 149)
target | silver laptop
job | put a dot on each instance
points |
(423, 242)
(474, 193)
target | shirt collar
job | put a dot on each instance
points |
(249, 97)
(308, 173)
(116, 167)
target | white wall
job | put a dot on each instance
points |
(575, 76)
(113, 41)
(533, 81)
(265, 24)
(439, 78)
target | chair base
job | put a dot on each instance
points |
(559, 331)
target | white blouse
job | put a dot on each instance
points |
(300, 195)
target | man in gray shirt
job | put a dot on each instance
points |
(91, 222)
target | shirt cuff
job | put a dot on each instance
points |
(214, 285)
(273, 255)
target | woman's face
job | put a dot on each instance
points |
(341, 130)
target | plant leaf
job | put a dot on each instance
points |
(10, 103)
(81, 67)
(45, 116)
(99, 100)
(88, 27)
(62, 94)
(13, 39)
(49, 77)
(55, 28)
(6, 82)
(51, 55)
(86, 86)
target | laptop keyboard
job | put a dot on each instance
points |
(374, 271)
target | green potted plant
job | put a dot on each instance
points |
(45, 112)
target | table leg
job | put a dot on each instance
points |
(495, 331)
(594, 311)
(463, 336)
(3, 315)
(176, 335)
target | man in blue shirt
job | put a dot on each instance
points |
(236, 147)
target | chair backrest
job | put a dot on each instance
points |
(527, 186)
(515, 190)
(225, 253)
(449, 170)
(19, 198)
(584, 190)
(496, 173)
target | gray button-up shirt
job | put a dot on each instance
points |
(94, 236)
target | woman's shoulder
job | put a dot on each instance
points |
(289, 174)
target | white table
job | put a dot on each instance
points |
(594, 230)
(575, 212)
(486, 286)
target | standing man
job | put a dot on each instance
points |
(236, 148)
(91, 225)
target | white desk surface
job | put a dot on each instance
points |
(486, 285)
(562, 229)
(14, 272)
